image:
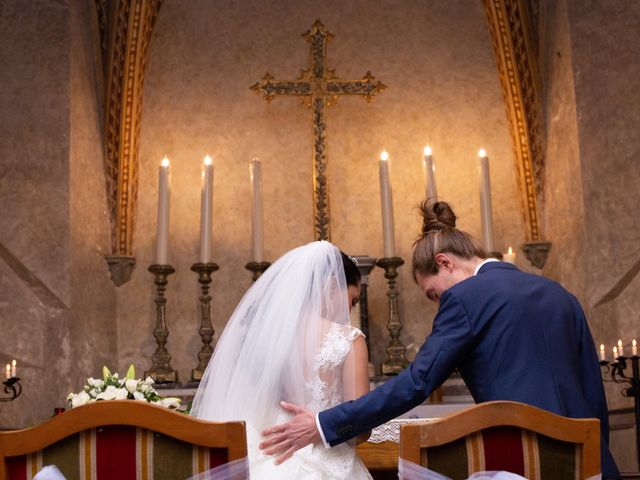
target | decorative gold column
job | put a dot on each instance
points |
(515, 46)
(126, 27)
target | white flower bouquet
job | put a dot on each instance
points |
(112, 387)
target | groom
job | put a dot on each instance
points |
(513, 336)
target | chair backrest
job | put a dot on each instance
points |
(508, 436)
(122, 439)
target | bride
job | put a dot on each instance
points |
(290, 339)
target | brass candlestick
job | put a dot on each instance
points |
(396, 360)
(161, 370)
(257, 268)
(204, 271)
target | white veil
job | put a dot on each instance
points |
(268, 350)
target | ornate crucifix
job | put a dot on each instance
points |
(319, 87)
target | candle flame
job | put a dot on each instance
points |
(13, 363)
(427, 150)
(619, 343)
(634, 343)
(602, 347)
(255, 159)
(510, 251)
(208, 160)
(482, 152)
(384, 155)
(165, 162)
(615, 351)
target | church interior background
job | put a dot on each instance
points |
(95, 93)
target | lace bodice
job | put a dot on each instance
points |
(325, 387)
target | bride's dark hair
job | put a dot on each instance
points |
(440, 235)
(351, 271)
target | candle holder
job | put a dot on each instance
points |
(206, 331)
(12, 388)
(396, 360)
(257, 268)
(617, 370)
(161, 370)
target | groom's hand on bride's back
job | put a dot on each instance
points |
(284, 440)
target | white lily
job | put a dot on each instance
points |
(131, 385)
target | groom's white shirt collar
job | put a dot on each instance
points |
(484, 262)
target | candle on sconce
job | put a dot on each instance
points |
(620, 348)
(206, 208)
(485, 201)
(615, 353)
(388, 234)
(603, 356)
(7, 372)
(634, 348)
(429, 173)
(14, 369)
(510, 256)
(162, 238)
(257, 239)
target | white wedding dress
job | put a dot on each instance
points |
(289, 339)
(316, 462)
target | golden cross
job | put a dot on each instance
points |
(319, 87)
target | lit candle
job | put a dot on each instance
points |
(485, 201)
(206, 209)
(162, 240)
(620, 348)
(387, 207)
(510, 256)
(429, 173)
(7, 372)
(256, 210)
(634, 348)
(13, 369)
(615, 353)
(603, 356)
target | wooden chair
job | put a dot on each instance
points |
(507, 436)
(123, 439)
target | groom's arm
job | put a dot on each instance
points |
(449, 341)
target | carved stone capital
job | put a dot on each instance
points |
(121, 267)
(537, 253)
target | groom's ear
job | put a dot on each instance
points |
(444, 261)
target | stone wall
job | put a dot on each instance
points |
(58, 308)
(591, 77)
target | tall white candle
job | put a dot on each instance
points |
(620, 348)
(257, 238)
(7, 372)
(429, 173)
(162, 239)
(206, 209)
(388, 234)
(603, 356)
(634, 347)
(14, 369)
(485, 201)
(615, 353)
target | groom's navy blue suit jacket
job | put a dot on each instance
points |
(513, 336)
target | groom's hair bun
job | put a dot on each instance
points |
(440, 235)
(436, 216)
